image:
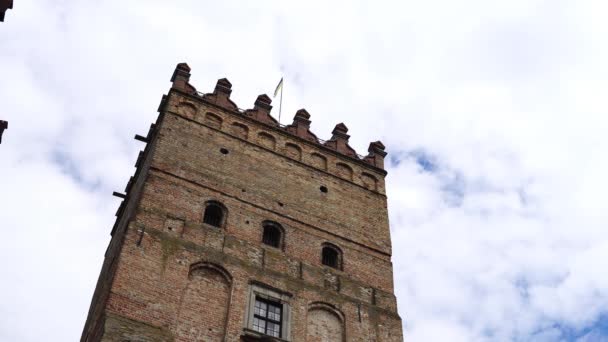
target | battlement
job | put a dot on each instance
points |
(229, 210)
(300, 127)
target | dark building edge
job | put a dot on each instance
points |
(5, 5)
(3, 126)
(93, 329)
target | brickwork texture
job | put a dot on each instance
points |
(169, 276)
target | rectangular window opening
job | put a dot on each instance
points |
(267, 317)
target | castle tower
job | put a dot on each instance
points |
(235, 228)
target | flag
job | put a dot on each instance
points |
(279, 87)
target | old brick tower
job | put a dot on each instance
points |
(235, 228)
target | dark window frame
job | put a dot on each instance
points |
(219, 209)
(266, 318)
(277, 229)
(337, 257)
(275, 295)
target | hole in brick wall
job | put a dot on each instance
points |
(223, 151)
(242, 190)
(280, 204)
(246, 222)
(323, 189)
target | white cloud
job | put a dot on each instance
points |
(503, 240)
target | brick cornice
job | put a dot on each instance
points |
(376, 192)
(283, 132)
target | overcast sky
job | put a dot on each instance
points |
(494, 114)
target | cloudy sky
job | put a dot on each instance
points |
(494, 114)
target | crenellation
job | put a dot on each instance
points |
(301, 126)
(339, 141)
(181, 77)
(265, 138)
(261, 113)
(221, 95)
(376, 154)
(228, 202)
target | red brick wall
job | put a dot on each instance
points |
(267, 174)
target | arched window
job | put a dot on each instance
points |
(273, 234)
(331, 256)
(214, 214)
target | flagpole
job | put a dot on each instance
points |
(281, 103)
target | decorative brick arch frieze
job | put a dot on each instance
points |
(240, 130)
(187, 109)
(344, 171)
(290, 148)
(213, 120)
(319, 161)
(369, 181)
(261, 112)
(267, 140)
(293, 151)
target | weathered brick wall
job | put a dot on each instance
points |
(96, 318)
(270, 178)
(153, 278)
(160, 293)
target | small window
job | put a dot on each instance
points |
(272, 235)
(214, 214)
(331, 256)
(267, 317)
